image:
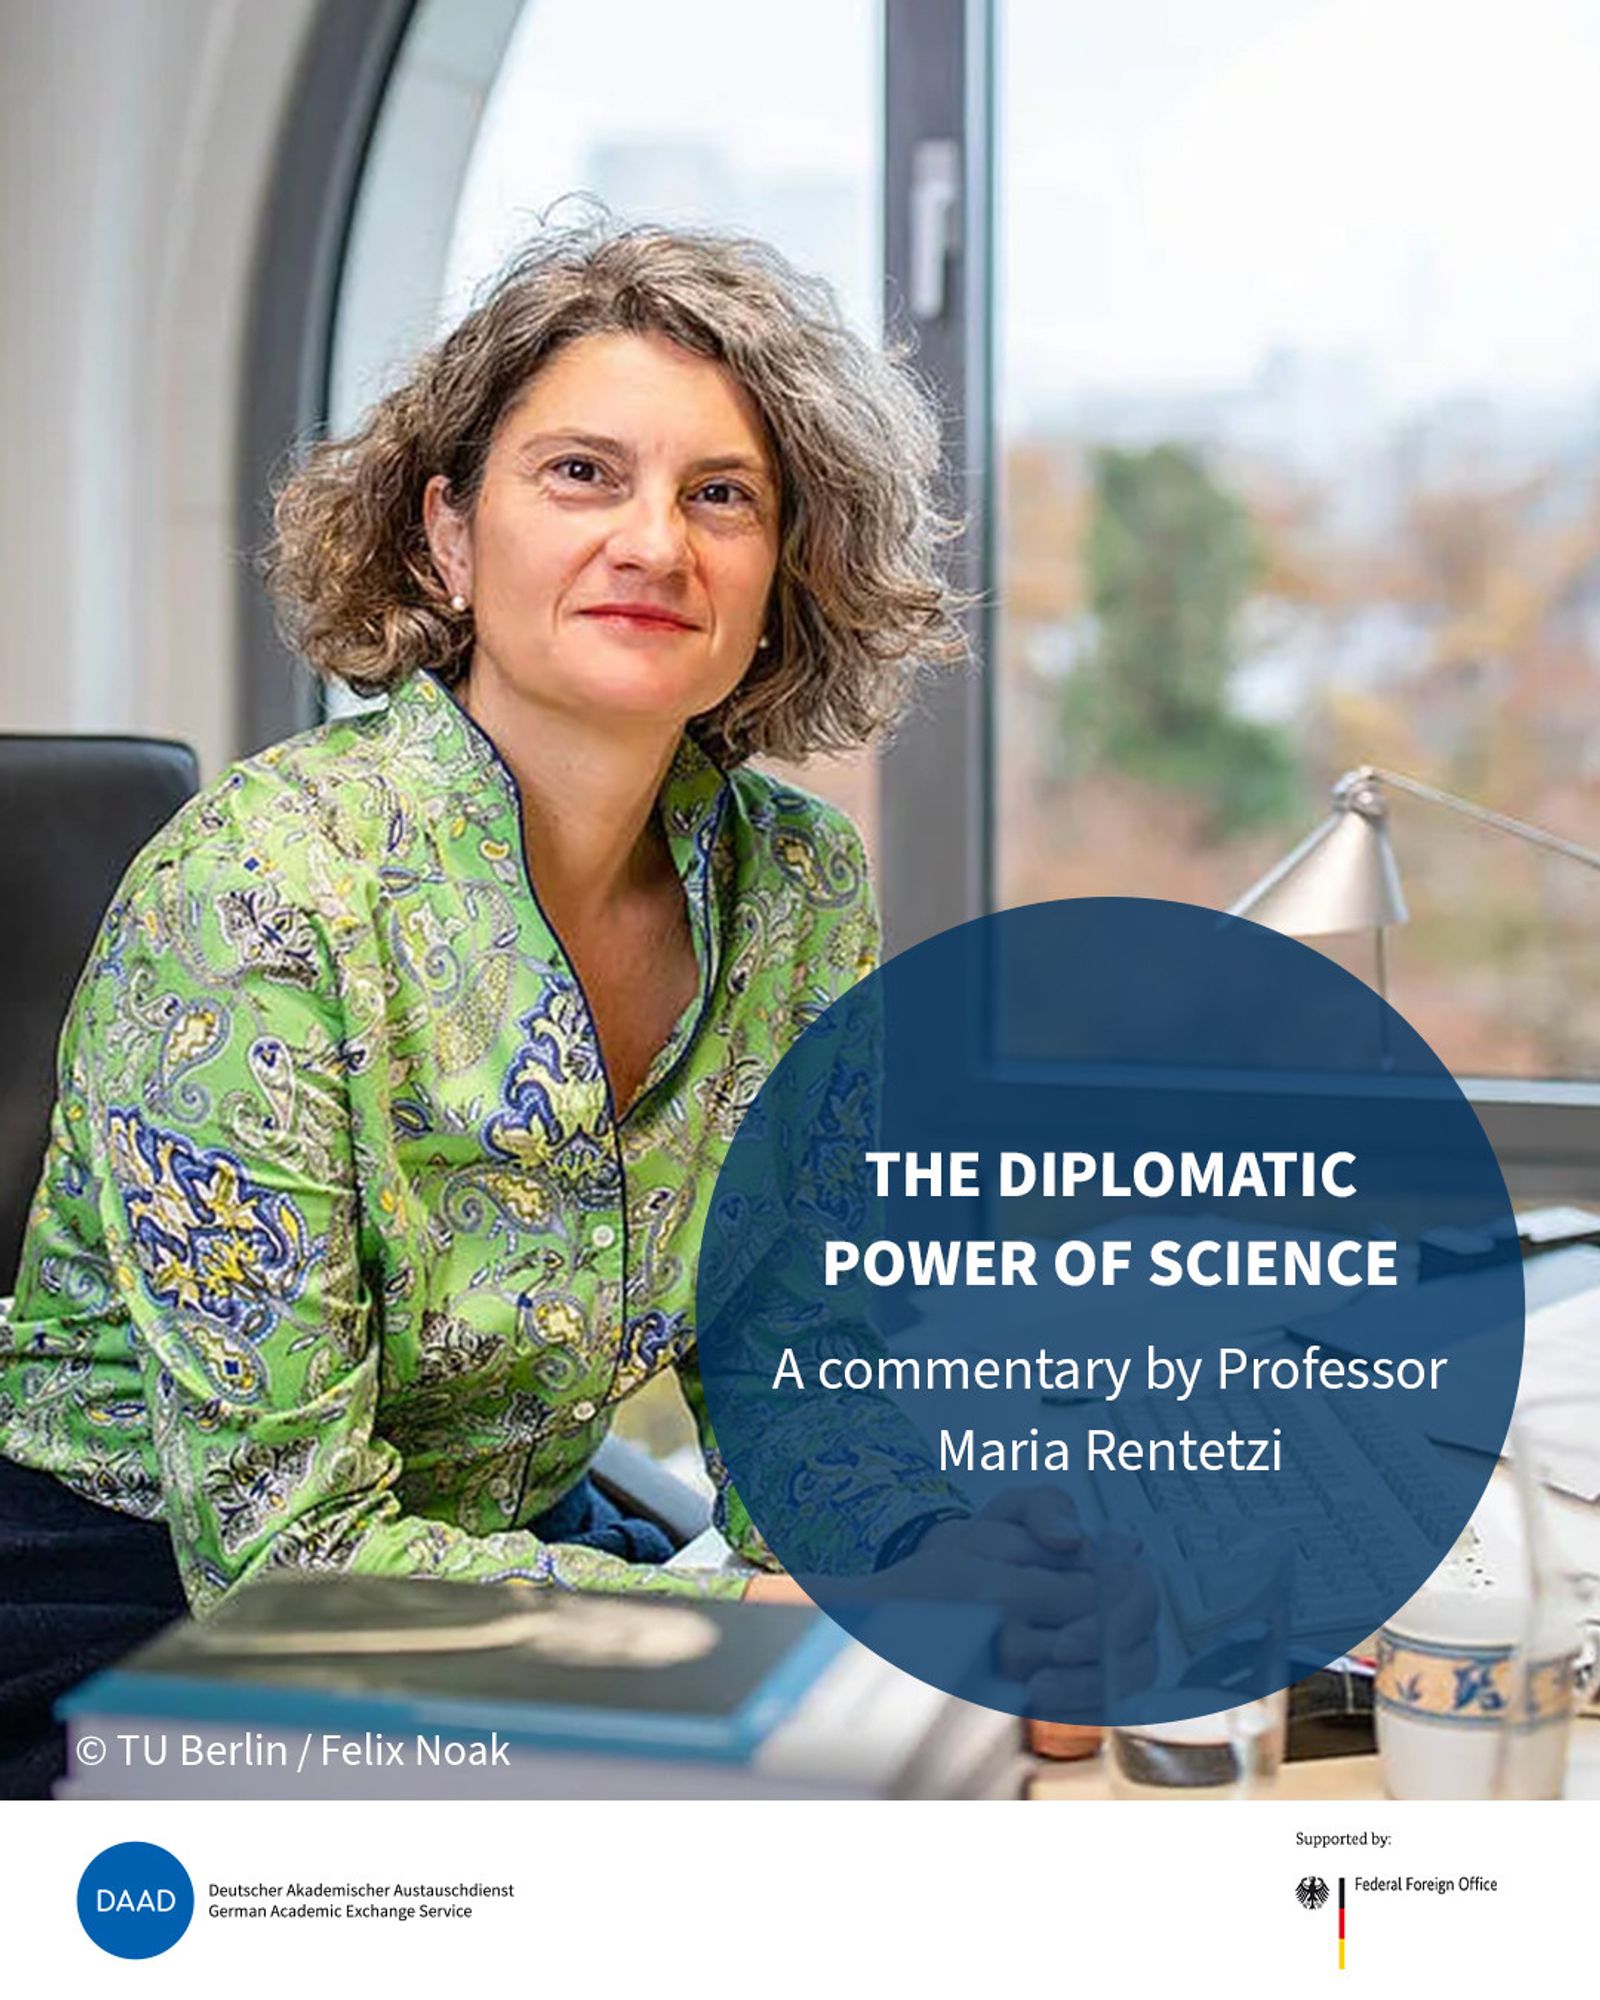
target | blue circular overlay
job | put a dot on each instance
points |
(1110, 1311)
(135, 1899)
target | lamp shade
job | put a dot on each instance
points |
(1342, 876)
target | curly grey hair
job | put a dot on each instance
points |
(860, 600)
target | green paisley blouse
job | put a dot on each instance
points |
(340, 1256)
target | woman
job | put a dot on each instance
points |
(392, 1097)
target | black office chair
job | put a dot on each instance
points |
(74, 811)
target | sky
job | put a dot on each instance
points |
(1184, 186)
(726, 76)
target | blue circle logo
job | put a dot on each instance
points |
(135, 1900)
(1109, 1311)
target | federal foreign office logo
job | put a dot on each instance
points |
(135, 1900)
(1311, 1892)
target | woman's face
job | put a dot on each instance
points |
(620, 555)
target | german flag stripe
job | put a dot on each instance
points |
(1341, 1923)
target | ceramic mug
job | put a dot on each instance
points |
(1459, 1716)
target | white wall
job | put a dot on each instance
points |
(136, 142)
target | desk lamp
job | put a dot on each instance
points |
(1342, 876)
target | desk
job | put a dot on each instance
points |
(1550, 1279)
(1319, 1778)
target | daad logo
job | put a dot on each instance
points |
(1311, 1892)
(135, 1900)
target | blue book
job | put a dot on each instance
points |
(577, 1672)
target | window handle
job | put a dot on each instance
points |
(935, 223)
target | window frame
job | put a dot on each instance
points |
(936, 839)
(351, 50)
(937, 777)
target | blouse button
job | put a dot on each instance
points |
(584, 1412)
(604, 1236)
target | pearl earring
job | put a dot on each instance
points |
(763, 643)
(458, 602)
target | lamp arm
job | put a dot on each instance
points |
(1501, 822)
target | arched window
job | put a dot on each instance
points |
(1339, 335)
(709, 116)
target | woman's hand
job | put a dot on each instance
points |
(1073, 1612)
(1058, 1740)
(1068, 1605)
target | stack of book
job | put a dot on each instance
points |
(372, 1687)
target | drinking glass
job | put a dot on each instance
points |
(1549, 1569)
(1238, 1643)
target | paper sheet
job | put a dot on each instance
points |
(1558, 1398)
